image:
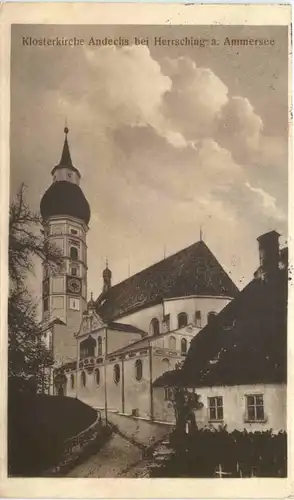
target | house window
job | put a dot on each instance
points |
(46, 304)
(87, 347)
(210, 317)
(83, 379)
(184, 347)
(72, 381)
(139, 369)
(74, 253)
(182, 319)
(198, 319)
(172, 343)
(254, 408)
(154, 326)
(215, 409)
(99, 346)
(97, 376)
(168, 394)
(116, 373)
(50, 341)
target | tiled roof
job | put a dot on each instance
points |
(123, 327)
(192, 271)
(246, 344)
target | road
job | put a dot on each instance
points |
(123, 454)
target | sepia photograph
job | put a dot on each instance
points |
(148, 251)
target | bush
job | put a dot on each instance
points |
(201, 452)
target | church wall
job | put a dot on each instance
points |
(141, 319)
(137, 392)
(163, 362)
(163, 410)
(64, 343)
(92, 394)
(190, 305)
(114, 390)
(117, 339)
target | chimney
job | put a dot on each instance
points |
(269, 254)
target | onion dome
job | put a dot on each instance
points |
(107, 274)
(65, 198)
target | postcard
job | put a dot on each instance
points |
(145, 300)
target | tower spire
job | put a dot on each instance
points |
(65, 159)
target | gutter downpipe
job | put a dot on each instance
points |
(105, 371)
(151, 381)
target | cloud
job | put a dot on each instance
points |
(162, 148)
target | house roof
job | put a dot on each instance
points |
(192, 271)
(245, 344)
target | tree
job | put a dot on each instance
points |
(28, 356)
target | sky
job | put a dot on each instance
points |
(168, 139)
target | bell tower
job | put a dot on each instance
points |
(66, 214)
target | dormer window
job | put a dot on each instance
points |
(182, 319)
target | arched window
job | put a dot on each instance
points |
(83, 379)
(116, 373)
(165, 365)
(172, 343)
(73, 253)
(72, 381)
(99, 346)
(87, 347)
(154, 326)
(182, 319)
(97, 376)
(210, 317)
(184, 346)
(198, 319)
(138, 369)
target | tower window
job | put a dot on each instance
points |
(74, 271)
(184, 347)
(154, 326)
(198, 319)
(74, 304)
(182, 319)
(74, 231)
(116, 373)
(139, 369)
(72, 381)
(74, 253)
(46, 304)
(83, 379)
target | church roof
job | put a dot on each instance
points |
(191, 271)
(245, 344)
(123, 327)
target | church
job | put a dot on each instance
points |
(109, 350)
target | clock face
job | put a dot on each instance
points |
(74, 285)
